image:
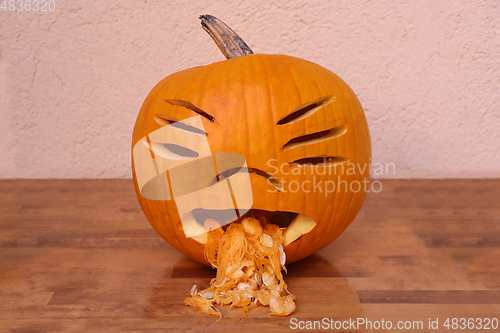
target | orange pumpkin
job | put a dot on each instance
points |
(300, 128)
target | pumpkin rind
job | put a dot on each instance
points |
(247, 96)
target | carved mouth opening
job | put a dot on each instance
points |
(294, 225)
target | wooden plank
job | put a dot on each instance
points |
(79, 255)
(430, 296)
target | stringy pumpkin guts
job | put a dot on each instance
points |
(249, 258)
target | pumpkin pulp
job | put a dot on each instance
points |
(249, 258)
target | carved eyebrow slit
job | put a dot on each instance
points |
(171, 151)
(192, 107)
(165, 120)
(258, 172)
(305, 110)
(326, 160)
(312, 138)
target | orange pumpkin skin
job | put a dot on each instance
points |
(247, 96)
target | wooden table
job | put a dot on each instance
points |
(79, 256)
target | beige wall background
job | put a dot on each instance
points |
(427, 73)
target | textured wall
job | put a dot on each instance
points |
(426, 72)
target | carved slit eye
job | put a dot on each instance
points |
(258, 172)
(172, 151)
(315, 137)
(165, 120)
(316, 160)
(270, 178)
(192, 107)
(305, 110)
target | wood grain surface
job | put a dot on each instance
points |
(79, 256)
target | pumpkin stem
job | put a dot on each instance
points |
(228, 41)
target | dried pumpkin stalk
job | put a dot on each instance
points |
(249, 258)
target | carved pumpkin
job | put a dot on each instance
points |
(299, 127)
